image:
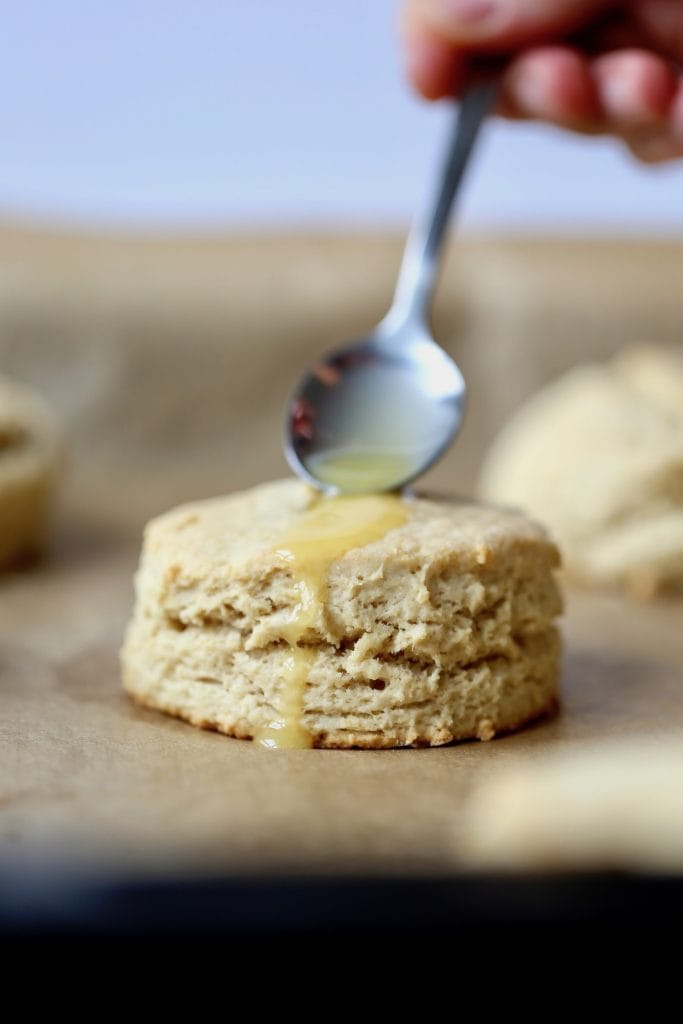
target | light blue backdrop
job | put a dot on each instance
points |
(214, 113)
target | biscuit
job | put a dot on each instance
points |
(442, 629)
(597, 457)
(619, 805)
(29, 462)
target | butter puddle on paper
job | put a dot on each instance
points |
(324, 533)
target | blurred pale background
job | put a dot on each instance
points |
(215, 114)
(176, 352)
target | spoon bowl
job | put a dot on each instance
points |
(375, 414)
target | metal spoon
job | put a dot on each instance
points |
(374, 415)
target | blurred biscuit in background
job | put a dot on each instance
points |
(597, 456)
(30, 456)
(618, 804)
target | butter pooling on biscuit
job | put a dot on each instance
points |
(597, 456)
(328, 529)
(440, 628)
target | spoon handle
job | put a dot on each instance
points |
(417, 276)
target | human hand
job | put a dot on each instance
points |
(592, 66)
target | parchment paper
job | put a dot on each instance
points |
(170, 360)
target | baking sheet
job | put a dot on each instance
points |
(170, 361)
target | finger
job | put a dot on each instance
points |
(551, 83)
(498, 25)
(433, 66)
(635, 89)
(666, 142)
(656, 150)
(675, 121)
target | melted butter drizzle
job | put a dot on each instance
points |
(326, 531)
(363, 471)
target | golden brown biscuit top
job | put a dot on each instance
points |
(230, 532)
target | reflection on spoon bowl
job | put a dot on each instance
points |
(374, 416)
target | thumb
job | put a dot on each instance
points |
(497, 25)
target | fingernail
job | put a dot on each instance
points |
(529, 88)
(620, 104)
